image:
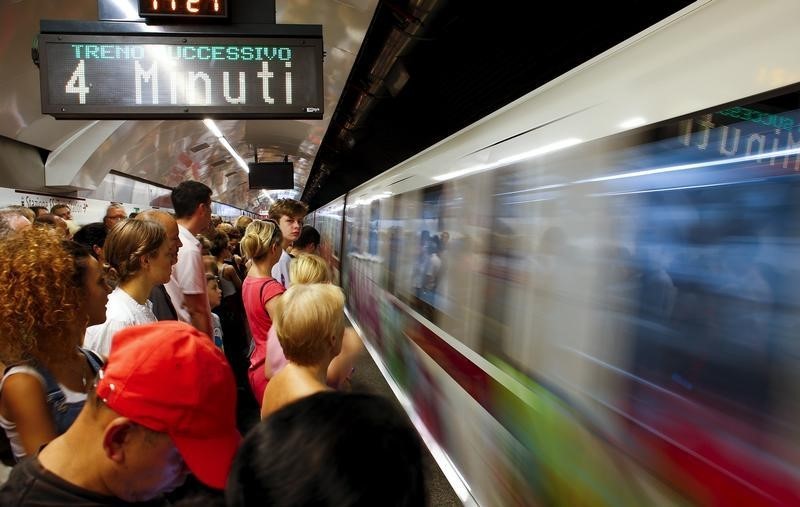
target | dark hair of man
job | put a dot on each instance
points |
(308, 236)
(36, 209)
(57, 207)
(187, 196)
(330, 449)
(91, 235)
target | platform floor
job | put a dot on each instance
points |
(367, 378)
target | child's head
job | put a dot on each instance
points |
(210, 265)
(310, 323)
(308, 268)
(308, 241)
(213, 290)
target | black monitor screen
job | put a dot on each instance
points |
(271, 175)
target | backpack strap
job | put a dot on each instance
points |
(95, 361)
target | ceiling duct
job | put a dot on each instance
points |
(199, 147)
(400, 40)
(386, 77)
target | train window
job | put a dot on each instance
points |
(662, 258)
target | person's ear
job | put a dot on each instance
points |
(336, 344)
(117, 435)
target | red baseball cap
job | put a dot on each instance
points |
(171, 378)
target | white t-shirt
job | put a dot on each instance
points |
(188, 275)
(280, 271)
(121, 311)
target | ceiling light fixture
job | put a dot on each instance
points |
(221, 138)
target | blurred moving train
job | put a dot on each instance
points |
(592, 296)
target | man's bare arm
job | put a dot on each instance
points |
(197, 304)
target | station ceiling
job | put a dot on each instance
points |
(459, 62)
(400, 75)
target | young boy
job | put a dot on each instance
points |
(289, 215)
(214, 300)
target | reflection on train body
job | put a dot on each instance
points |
(613, 324)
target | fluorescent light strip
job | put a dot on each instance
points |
(213, 127)
(221, 138)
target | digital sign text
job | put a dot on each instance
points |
(267, 78)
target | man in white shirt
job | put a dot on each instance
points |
(289, 215)
(187, 287)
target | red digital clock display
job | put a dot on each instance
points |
(183, 8)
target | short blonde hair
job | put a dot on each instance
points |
(307, 316)
(259, 238)
(309, 268)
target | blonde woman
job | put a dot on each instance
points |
(140, 257)
(307, 269)
(310, 329)
(260, 292)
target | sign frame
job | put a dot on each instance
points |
(195, 37)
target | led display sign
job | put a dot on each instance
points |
(162, 77)
(183, 8)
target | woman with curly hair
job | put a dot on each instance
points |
(50, 290)
(139, 258)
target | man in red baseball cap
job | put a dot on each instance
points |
(164, 406)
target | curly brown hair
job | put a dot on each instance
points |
(41, 290)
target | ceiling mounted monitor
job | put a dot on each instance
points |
(271, 175)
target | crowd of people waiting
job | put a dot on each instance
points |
(136, 351)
